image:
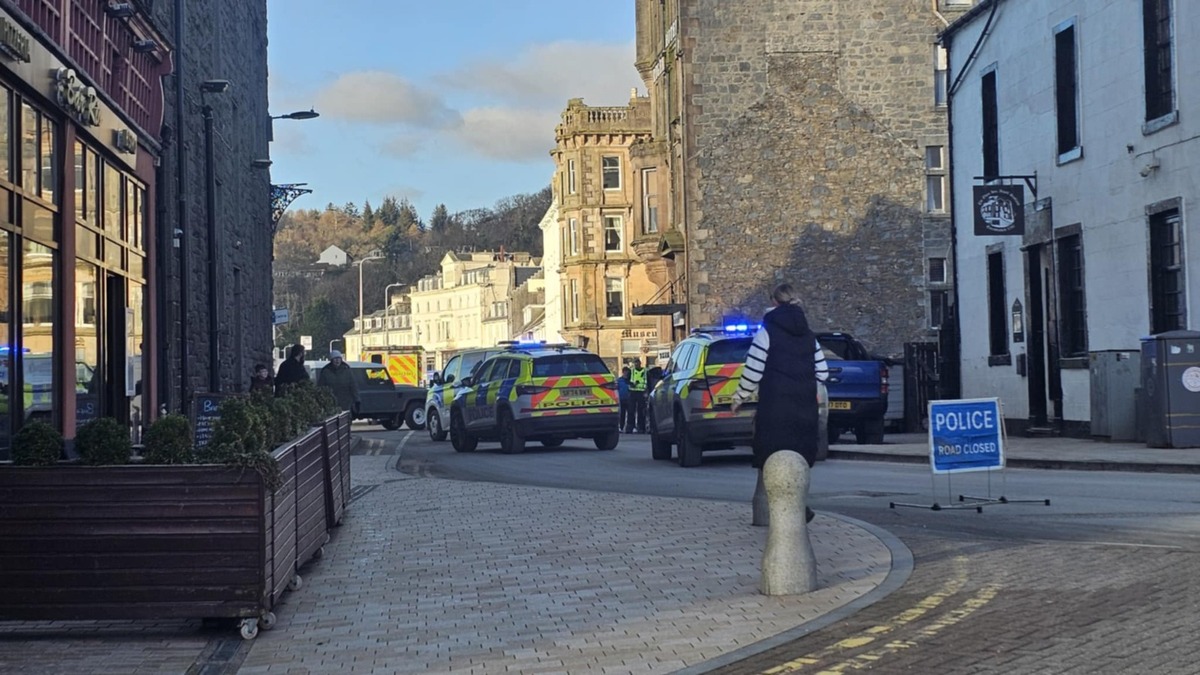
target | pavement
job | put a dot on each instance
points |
(440, 576)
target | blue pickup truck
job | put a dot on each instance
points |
(858, 389)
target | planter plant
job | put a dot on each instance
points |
(169, 441)
(37, 444)
(104, 441)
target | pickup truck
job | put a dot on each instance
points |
(858, 389)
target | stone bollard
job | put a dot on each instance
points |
(789, 566)
(761, 516)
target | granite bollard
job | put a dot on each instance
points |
(789, 566)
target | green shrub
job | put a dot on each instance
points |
(241, 438)
(104, 441)
(311, 404)
(169, 441)
(37, 444)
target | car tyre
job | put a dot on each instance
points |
(511, 440)
(391, 423)
(433, 421)
(869, 432)
(608, 441)
(660, 448)
(414, 416)
(552, 442)
(689, 451)
(460, 438)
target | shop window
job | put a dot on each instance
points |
(5, 133)
(37, 332)
(6, 352)
(88, 378)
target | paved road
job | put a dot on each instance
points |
(1106, 579)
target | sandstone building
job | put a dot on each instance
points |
(805, 141)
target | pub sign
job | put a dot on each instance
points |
(999, 209)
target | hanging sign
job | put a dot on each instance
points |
(999, 210)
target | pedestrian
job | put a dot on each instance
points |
(783, 366)
(338, 377)
(626, 421)
(291, 371)
(637, 394)
(261, 380)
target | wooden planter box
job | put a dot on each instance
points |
(146, 542)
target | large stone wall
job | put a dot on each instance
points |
(805, 131)
(224, 40)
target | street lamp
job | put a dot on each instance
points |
(210, 214)
(373, 255)
(341, 340)
(297, 115)
(387, 309)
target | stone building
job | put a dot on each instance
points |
(600, 227)
(805, 142)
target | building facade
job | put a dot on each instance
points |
(804, 142)
(552, 317)
(602, 276)
(1086, 110)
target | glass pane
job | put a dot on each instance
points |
(93, 188)
(49, 161)
(5, 131)
(112, 254)
(37, 221)
(86, 243)
(80, 181)
(6, 354)
(29, 149)
(933, 157)
(37, 331)
(88, 374)
(137, 265)
(131, 214)
(112, 202)
(135, 331)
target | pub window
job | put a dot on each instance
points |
(1071, 297)
(1158, 58)
(611, 166)
(991, 125)
(614, 230)
(614, 298)
(997, 307)
(1066, 90)
(935, 179)
(649, 201)
(1168, 296)
(940, 75)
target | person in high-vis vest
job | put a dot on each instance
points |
(637, 397)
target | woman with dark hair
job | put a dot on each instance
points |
(291, 371)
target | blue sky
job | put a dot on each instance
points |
(417, 101)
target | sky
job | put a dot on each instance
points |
(440, 102)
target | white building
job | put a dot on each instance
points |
(334, 257)
(552, 273)
(1099, 101)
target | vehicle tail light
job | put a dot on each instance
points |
(531, 389)
(883, 379)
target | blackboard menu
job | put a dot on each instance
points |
(205, 413)
(86, 408)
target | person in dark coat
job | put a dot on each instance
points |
(261, 381)
(292, 370)
(625, 423)
(338, 377)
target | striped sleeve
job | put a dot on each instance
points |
(756, 363)
(819, 364)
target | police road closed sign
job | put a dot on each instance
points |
(965, 435)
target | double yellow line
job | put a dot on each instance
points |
(878, 634)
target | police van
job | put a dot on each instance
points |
(545, 393)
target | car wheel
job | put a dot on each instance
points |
(608, 441)
(434, 424)
(391, 423)
(511, 440)
(689, 451)
(660, 448)
(462, 440)
(552, 442)
(414, 417)
(869, 433)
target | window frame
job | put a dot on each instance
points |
(1158, 114)
(990, 121)
(650, 201)
(572, 183)
(619, 229)
(998, 323)
(1072, 294)
(573, 228)
(935, 175)
(1176, 271)
(941, 76)
(1066, 93)
(606, 170)
(607, 301)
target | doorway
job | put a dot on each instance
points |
(1042, 349)
(115, 397)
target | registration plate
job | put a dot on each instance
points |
(577, 392)
(839, 405)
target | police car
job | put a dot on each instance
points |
(545, 393)
(690, 405)
(444, 385)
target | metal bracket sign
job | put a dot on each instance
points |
(965, 435)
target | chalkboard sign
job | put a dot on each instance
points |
(87, 407)
(205, 413)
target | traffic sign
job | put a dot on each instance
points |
(965, 435)
(306, 342)
(280, 316)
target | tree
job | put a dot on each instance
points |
(439, 220)
(368, 216)
(323, 321)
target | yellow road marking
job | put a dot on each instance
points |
(953, 585)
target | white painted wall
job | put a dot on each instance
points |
(551, 262)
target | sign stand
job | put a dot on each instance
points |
(966, 435)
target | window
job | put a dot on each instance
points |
(1159, 59)
(574, 235)
(1066, 91)
(611, 165)
(941, 74)
(997, 307)
(574, 283)
(935, 179)
(571, 180)
(1168, 298)
(614, 231)
(939, 308)
(649, 201)
(614, 298)
(937, 270)
(991, 126)
(1072, 315)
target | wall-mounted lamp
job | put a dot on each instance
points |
(144, 46)
(1150, 167)
(120, 10)
(1018, 321)
(214, 86)
(261, 163)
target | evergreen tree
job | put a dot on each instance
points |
(439, 220)
(368, 216)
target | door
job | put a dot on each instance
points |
(115, 397)
(1044, 374)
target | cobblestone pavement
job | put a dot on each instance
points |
(992, 608)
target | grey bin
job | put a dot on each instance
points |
(1115, 376)
(1171, 389)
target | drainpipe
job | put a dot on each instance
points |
(214, 291)
(185, 267)
(957, 384)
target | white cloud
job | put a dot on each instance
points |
(381, 97)
(403, 146)
(549, 74)
(289, 140)
(514, 134)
